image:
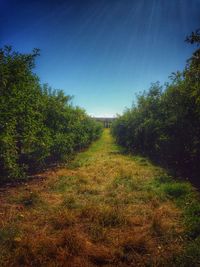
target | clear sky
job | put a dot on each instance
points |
(102, 52)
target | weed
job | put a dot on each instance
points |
(128, 182)
(137, 244)
(164, 178)
(9, 236)
(86, 190)
(62, 219)
(68, 183)
(177, 190)
(37, 251)
(74, 165)
(71, 242)
(105, 216)
(97, 232)
(27, 199)
(63, 184)
(111, 217)
(141, 160)
(192, 218)
(70, 202)
(190, 256)
(157, 225)
(133, 249)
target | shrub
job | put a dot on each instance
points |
(164, 124)
(38, 125)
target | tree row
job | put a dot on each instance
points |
(164, 124)
(38, 125)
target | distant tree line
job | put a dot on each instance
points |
(38, 125)
(165, 122)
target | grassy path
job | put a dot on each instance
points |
(105, 209)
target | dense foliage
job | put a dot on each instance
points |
(165, 123)
(38, 125)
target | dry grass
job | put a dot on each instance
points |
(104, 210)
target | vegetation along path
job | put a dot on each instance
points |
(105, 209)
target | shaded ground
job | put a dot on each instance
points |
(105, 209)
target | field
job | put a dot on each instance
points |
(105, 208)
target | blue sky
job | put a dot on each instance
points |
(103, 52)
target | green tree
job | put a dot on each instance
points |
(38, 125)
(165, 123)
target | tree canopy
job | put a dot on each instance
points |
(38, 124)
(165, 122)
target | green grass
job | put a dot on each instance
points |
(190, 256)
(186, 198)
(128, 182)
(177, 190)
(63, 184)
(67, 183)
